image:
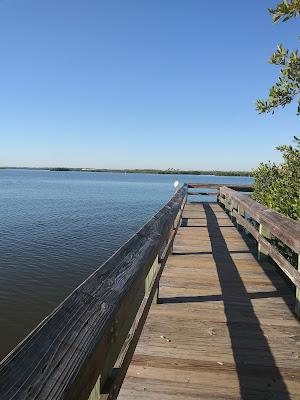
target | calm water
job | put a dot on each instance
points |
(58, 227)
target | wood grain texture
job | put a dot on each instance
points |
(238, 188)
(225, 328)
(284, 228)
(203, 193)
(65, 355)
(292, 273)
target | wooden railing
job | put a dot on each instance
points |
(83, 349)
(270, 224)
(216, 187)
(236, 187)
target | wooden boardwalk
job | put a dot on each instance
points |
(225, 328)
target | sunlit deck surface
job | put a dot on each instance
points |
(225, 328)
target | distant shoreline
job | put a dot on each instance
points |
(140, 171)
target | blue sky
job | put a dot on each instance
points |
(136, 83)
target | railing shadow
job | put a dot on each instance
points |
(213, 297)
(190, 253)
(248, 341)
(273, 272)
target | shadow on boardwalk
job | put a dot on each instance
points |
(212, 337)
(269, 378)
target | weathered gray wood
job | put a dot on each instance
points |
(242, 214)
(151, 274)
(297, 305)
(65, 355)
(203, 193)
(282, 262)
(238, 188)
(262, 250)
(162, 257)
(226, 204)
(224, 329)
(284, 228)
(167, 249)
(111, 390)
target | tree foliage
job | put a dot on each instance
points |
(287, 86)
(278, 185)
(285, 10)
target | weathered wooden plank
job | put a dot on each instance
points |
(284, 228)
(113, 386)
(262, 250)
(239, 188)
(280, 260)
(203, 193)
(297, 305)
(223, 314)
(65, 355)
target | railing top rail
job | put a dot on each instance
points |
(62, 358)
(284, 228)
(239, 188)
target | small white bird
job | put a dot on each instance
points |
(176, 183)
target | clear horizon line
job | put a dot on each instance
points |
(123, 169)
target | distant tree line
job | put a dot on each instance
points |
(159, 171)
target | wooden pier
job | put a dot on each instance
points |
(199, 304)
(224, 328)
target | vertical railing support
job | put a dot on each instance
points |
(241, 212)
(220, 196)
(297, 305)
(156, 296)
(226, 205)
(229, 208)
(262, 250)
(151, 274)
(234, 206)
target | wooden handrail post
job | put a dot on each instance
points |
(151, 274)
(229, 207)
(226, 204)
(219, 195)
(148, 283)
(221, 198)
(242, 214)
(156, 295)
(96, 392)
(297, 305)
(234, 206)
(263, 253)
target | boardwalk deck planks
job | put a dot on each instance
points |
(225, 328)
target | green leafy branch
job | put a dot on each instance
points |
(287, 87)
(285, 10)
